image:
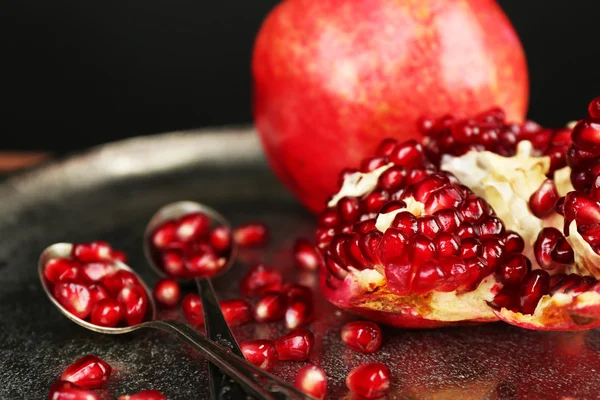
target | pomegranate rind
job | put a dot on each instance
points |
(560, 312)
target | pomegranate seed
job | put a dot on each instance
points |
(191, 305)
(349, 209)
(62, 269)
(371, 164)
(392, 178)
(260, 279)
(492, 226)
(96, 271)
(471, 247)
(173, 263)
(271, 307)
(134, 301)
(236, 312)
(306, 255)
(312, 381)
(393, 245)
(422, 249)
(513, 242)
(586, 134)
(543, 200)
(167, 292)
(429, 276)
(106, 312)
(120, 256)
(365, 226)
(508, 298)
(375, 200)
(581, 208)
(192, 226)
(296, 345)
(220, 239)
(97, 292)
(369, 380)
(297, 314)
(475, 209)
(89, 372)
(514, 268)
(251, 235)
(92, 252)
(533, 286)
(447, 244)
(204, 263)
(392, 206)
(329, 219)
(428, 226)
(449, 220)
(74, 297)
(145, 395)
(63, 390)
(114, 283)
(164, 234)
(260, 352)
(594, 108)
(362, 336)
(408, 154)
(563, 252)
(369, 244)
(386, 147)
(492, 251)
(544, 246)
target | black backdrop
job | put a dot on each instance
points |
(76, 73)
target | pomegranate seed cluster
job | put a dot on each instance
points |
(90, 286)
(188, 247)
(490, 131)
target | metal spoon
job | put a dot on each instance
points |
(234, 366)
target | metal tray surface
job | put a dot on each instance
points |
(110, 192)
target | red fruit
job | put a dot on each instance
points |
(118, 255)
(251, 235)
(145, 395)
(260, 352)
(62, 269)
(173, 263)
(167, 292)
(362, 336)
(89, 372)
(107, 313)
(134, 301)
(192, 226)
(164, 234)
(534, 285)
(297, 314)
(204, 263)
(296, 345)
(92, 252)
(236, 312)
(270, 307)
(97, 271)
(312, 381)
(220, 239)
(306, 255)
(191, 305)
(260, 279)
(369, 380)
(514, 268)
(63, 390)
(305, 110)
(97, 292)
(114, 283)
(74, 297)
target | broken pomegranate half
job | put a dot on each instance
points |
(482, 220)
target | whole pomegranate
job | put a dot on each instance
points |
(480, 220)
(332, 78)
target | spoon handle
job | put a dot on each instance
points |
(269, 387)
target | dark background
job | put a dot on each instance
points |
(76, 73)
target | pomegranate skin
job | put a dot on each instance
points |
(332, 78)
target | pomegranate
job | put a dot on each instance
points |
(296, 345)
(306, 255)
(134, 303)
(106, 312)
(252, 234)
(74, 297)
(62, 269)
(482, 220)
(362, 336)
(237, 312)
(312, 381)
(259, 280)
(330, 85)
(145, 395)
(167, 292)
(63, 390)
(191, 305)
(270, 307)
(369, 380)
(90, 372)
(260, 352)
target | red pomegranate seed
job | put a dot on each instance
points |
(114, 283)
(63, 390)
(97, 292)
(251, 235)
(448, 219)
(96, 271)
(134, 301)
(297, 314)
(191, 306)
(447, 244)
(349, 209)
(296, 345)
(164, 234)
(392, 245)
(371, 164)
(581, 208)
(89, 372)
(533, 286)
(236, 312)
(586, 134)
(475, 209)
(594, 108)
(429, 226)
(513, 242)
(508, 298)
(260, 352)
(362, 336)
(471, 247)
(544, 246)
(62, 269)
(392, 178)
(260, 279)
(145, 395)
(120, 256)
(386, 147)
(306, 255)
(106, 312)
(492, 251)
(514, 268)
(422, 249)
(312, 381)
(92, 252)
(365, 226)
(492, 226)
(543, 200)
(563, 252)
(220, 239)
(408, 154)
(173, 263)
(429, 276)
(369, 380)
(271, 307)
(375, 200)
(192, 226)
(167, 292)
(204, 263)
(329, 219)
(74, 297)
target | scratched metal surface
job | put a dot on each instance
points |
(110, 192)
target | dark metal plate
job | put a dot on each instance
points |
(110, 192)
